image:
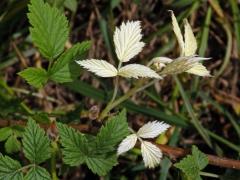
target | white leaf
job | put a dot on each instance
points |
(199, 69)
(99, 67)
(177, 32)
(151, 154)
(127, 40)
(127, 144)
(136, 71)
(152, 129)
(164, 60)
(190, 40)
(160, 62)
(198, 58)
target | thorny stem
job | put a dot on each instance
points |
(138, 88)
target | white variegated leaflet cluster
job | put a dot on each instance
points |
(127, 41)
(151, 153)
(188, 48)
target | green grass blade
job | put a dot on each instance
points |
(89, 91)
(189, 108)
(234, 123)
(224, 141)
(203, 43)
(236, 20)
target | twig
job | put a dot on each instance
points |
(175, 153)
(4, 123)
(20, 55)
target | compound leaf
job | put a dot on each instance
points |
(9, 169)
(193, 164)
(36, 145)
(49, 29)
(112, 132)
(63, 70)
(38, 173)
(36, 77)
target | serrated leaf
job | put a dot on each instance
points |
(75, 147)
(99, 67)
(127, 144)
(199, 69)
(63, 69)
(190, 45)
(101, 165)
(178, 33)
(49, 29)
(193, 164)
(9, 169)
(37, 173)
(201, 158)
(152, 129)
(5, 133)
(112, 133)
(36, 77)
(136, 71)
(127, 40)
(36, 145)
(12, 144)
(79, 149)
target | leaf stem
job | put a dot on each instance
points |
(131, 92)
(53, 160)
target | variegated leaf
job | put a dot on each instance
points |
(99, 67)
(127, 40)
(136, 71)
(127, 144)
(190, 40)
(152, 129)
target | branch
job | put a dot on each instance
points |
(4, 123)
(174, 153)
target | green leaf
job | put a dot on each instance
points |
(9, 169)
(71, 5)
(41, 117)
(49, 29)
(201, 158)
(193, 164)
(63, 70)
(101, 165)
(5, 133)
(112, 133)
(36, 145)
(79, 149)
(12, 144)
(74, 145)
(38, 173)
(36, 77)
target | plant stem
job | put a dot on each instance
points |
(131, 92)
(115, 89)
(53, 160)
